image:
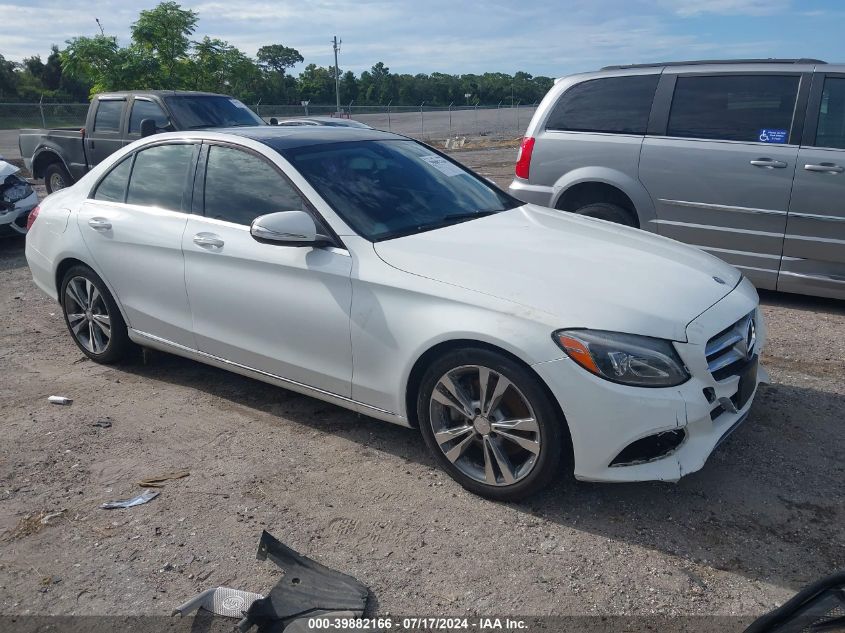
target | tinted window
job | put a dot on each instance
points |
(107, 118)
(159, 176)
(197, 112)
(735, 108)
(615, 104)
(240, 186)
(385, 189)
(831, 129)
(113, 186)
(146, 110)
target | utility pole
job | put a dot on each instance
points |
(336, 46)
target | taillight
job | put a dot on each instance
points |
(523, 159)
(31, 219)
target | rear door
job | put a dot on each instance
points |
(133, 225)
(814, 247)
(720, 166)
(106, 134)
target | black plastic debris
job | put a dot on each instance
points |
(307, 589)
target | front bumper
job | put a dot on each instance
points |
(14, 220)
(604, 418)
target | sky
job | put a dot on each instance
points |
(551, 37)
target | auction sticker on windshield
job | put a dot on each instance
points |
(443, 165)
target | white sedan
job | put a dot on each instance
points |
(368, 270)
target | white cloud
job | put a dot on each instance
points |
(690, 8)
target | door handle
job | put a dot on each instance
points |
(99, 224)
(825, 168)
(208, 239)
(768, 163)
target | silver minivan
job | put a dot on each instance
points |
(743, 159)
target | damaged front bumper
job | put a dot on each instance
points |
(622, 433)
(17, 199)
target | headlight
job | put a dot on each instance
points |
(628, 359)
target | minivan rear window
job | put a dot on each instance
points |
(619, 105)
(734, 107)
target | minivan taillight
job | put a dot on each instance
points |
(30, 220)
(523, 159)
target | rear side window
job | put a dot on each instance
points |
(831, 129)
(112, 188)
(239, 187)
(146, 110)
(108, 114)
(734, 107)
(159, 176)
(617, 104)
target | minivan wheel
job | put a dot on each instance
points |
(56, 177)
(607, 211)
(490, 424)
(92, 316)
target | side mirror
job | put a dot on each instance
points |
(291, 228)
(274, 120)
(148, 127)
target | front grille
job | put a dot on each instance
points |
(731, 348)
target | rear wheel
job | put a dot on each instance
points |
(92, 316)
(490, 424)
(56, 177)
(608, 211)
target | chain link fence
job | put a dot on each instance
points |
(432, 123)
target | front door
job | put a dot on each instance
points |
(814, 247)
(721, 175)
(133, 226)
(283, 310)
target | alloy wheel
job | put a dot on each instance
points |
(87, 315)
(484, 425)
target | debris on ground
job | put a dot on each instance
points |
(32, 524)
(158, 480)
(60, 400)
(103, 423)
(144, 497)
(307, 588)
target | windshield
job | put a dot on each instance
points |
(193, 112)
(387, 189)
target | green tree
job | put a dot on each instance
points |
(278, 58)
(163, 33)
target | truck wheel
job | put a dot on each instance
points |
(56, 177)
(607, 211)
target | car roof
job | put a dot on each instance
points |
(159, 93)
(282, 138)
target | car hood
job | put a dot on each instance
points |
(579, 271)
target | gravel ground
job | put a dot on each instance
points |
(764, 517)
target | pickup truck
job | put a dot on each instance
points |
(62, 156)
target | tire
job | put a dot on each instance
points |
(475, 456)
(56, 177)
(88, 306)
(607, 211)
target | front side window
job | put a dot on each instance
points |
(831, 129)
(240, 186)
(159, 176)
(386, 189)
(752, 108)
(112, 188)
(141, 110)
(618, 105)
(108, 114)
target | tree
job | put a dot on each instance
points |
(164, 34)
(278, 58)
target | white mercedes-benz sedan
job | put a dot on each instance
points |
(368, 270)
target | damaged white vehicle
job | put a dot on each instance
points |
(17, 199)
(368, 270)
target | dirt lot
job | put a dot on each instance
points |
(763, 518)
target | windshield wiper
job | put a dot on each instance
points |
(448, 220)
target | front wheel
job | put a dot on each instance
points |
(490, 424)
(92, 316)
(56, 177)
(607, 211)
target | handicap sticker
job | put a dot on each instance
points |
(773, 136)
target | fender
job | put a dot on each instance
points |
(633, 188)
(47, 148)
